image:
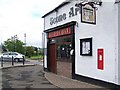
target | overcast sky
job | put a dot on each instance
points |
(24, 16)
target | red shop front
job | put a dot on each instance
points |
(60, 44)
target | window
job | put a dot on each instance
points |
(86, 47)
(5, 53)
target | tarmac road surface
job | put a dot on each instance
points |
(29, 77)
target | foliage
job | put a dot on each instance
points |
(14, 45)
(36, 57)
(41, 52)
(29, 51)
(37, 51)
(19, 46)
(4, 48)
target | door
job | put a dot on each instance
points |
(52, 58)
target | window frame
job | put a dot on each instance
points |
(90, 47)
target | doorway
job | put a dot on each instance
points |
(60, 61)
(64, 62)
(52, 58)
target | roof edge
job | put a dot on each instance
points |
(55, 9)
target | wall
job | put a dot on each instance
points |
(44, 41)
(104, 36)
(47, 21)
(64, 9)
(119, 43)
(54, 14)
(45, 49)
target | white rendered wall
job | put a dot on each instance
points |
(45, 49)
(47, 21)
(54, 14)
(119, 43)
(64, 9)
(104, 36)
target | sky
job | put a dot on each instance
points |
(18, 17)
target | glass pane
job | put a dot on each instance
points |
(63, 52)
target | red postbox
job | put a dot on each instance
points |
(100, 59)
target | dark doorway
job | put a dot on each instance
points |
(61, 49)
(64, 60)
(63, 52)
(52, 58)
(60, 61)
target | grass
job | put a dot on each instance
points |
(36, 57)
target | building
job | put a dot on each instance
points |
(85, 36)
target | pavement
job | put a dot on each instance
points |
(32, 76)
(64, 82)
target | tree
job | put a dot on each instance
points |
(35, 51)
(29, 51)
(4, 48)
(14, 44)
(19, 46)
(41, 51)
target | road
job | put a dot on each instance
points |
(36, 62)
(29, 77)
(27, 62)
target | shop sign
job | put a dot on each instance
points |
(87, 11)
(58, 19)
(60, 32)
(88, 14)
(72, 12)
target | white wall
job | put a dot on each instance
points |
(119, 43)
(47, 21)
(116, 48)
(45, 49)
(54, 14)
(104, 36)
(64, 9)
